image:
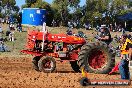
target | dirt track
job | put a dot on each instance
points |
(16, 72)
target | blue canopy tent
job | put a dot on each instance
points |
(126, 17)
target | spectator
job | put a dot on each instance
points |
(74, 24)
(11, 26)
(3, 20)
(126, 52)
(119, 28)
(123, 31)
(78, 24)
(70, 26)
(54, 23)
(111, 27)
(97, 28)
(11, 32)
(8, 31)
(1, 32)
(11, 36)
(0, 20)
(87, 26)
(19, 27)
(19, 19)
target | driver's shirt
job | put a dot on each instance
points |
(106, 33)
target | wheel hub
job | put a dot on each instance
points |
(47, 64)
(97, 59)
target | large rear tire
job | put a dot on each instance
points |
(96, 58)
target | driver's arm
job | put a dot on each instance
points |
(104, 38)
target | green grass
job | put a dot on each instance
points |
(16, 46)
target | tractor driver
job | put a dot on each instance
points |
(104, 35)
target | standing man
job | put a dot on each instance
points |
(70, 26)
(1, 32)
(19, 26)
(54, 23)
(126, 56)
(19, 19)
(86, 25)
(104, 35)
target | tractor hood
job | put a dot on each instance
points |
(65, 38)
(35, 35)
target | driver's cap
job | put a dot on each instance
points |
(103, 26)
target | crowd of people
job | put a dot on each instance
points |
(12, 26)
(111, 27)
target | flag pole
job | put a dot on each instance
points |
(44, 32)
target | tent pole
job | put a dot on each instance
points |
(44, 32)
(125, 24)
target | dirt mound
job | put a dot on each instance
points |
(16, 72)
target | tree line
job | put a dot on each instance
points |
(61, 11)
(8, 7)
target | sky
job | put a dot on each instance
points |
(21, 2)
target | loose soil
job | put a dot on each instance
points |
(18, 73)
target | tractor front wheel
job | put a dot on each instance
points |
(35, 63)
(96, 58)
(75, 66)
(47, 64)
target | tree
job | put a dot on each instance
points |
(105, 10)
(63, 7)
(73, 3)
(24, 6)
(130, 3)
(16, 9)
(119, 6)
(30, 2)
(8, 7)
(90, 10)
(8, 2)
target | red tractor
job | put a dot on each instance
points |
(95, 57)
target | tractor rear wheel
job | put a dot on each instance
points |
(96, 58)
(47, 64)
